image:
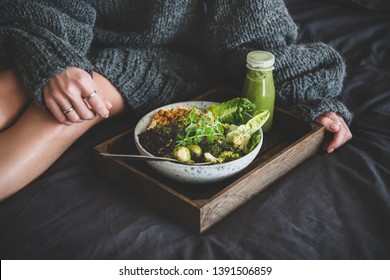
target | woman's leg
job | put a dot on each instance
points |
(13, 99)
(31, 145)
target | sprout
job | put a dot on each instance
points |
(210, 158)
(239, 139)
(228, 156)
(195, 150)
(223, 157)
(182, 154)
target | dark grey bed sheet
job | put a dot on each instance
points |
(331, 207)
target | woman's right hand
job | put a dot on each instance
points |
(72, 97)
(334, 123)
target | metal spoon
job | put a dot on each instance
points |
(148, 158)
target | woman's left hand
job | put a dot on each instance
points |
(72, 96)
(335, 123)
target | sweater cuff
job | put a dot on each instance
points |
(39, 60)
(45, 71)
(308, 72)
(312, 109)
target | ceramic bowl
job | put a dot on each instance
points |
(191, 173)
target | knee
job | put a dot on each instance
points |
(10, 84)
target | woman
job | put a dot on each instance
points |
(67, 65)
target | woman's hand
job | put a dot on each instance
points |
(335, 123)
(72, 96)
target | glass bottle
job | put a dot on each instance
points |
(259, 84)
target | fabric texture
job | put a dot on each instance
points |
(330, 207)
(378, 5)
(150, 53)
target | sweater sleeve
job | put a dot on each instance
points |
(308, 78)
(41, 38)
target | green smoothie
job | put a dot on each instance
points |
(260, 89)
(259, 84)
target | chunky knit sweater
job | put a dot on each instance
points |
(160, 51)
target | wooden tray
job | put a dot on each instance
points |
(290, 142)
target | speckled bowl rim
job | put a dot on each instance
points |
(204, 104)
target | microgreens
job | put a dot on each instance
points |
(200, 126)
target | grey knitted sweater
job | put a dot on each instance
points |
(160, 51)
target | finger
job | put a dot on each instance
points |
(337, 141)
(83, 111)
(343, 124)
(68, 109)
(58, 100)
(335, 124)
(53, 106)
(108, 104)
(97, 104)
(57, 112)
(329, 123)
(348, 134)
(72, 115)
(73, 98)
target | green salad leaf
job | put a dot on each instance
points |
(232, 111)
(241, 136)
(227, 128)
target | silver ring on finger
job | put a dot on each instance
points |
(68, 110)
(91, 95)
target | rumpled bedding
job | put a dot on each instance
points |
(332, 206)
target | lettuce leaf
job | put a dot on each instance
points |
(232, 111)
(246, 136)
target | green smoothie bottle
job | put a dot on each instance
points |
(259, 84)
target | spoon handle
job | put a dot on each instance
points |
(137, 157)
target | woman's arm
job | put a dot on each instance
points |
(45, 46)
(308, 77)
